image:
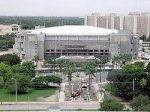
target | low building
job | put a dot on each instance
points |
(74, 41)
(8, 29)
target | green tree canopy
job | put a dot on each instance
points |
(11, 59)
(122, 59)
(111, 105)
(21, 81)
(122, 81)
(43, 81)
(141, 103)
(5, 71)
(28, 68)
(132, 68)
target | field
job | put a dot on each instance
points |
(32, 95)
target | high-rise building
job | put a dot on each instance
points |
(134, 22)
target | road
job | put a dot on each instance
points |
(53, 106)
(79, 103)
(80, 83)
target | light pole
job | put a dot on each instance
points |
(133, 87)
(16, 89)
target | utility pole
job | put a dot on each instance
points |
(133, 87)
(133, 84)
(16, 90)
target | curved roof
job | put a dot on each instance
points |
(74, 30)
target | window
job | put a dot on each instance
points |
(22, 37)
(52, 50)
(95, 50)
(23, 56)
(47, 50)
(58, 50)
(90, 50)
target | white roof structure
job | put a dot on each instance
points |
(74, 30)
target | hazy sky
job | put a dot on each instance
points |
(69, 7)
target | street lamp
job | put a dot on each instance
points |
(133, 87)
(16, 89)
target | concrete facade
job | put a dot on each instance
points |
(134, 22)
(76, 41)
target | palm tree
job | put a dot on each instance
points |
(90, 69)
(51, 63)
(36, 58)
(122, 59)
(101, 64)
(68, 68)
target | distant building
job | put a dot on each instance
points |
(7, 29)
(71, 41)
(134, 22)
(39, 27)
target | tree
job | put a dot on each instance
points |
(122, 59)
(141, 103)
(43, 81)
(100, 64)
(90, 69)
(38, 82)
(51, 62)
(140, 64)
(28, 68)
(1, 82)
(11, 59)
(6, 71)
(143, 37)
(122, 81)
(68, 68)
(36, 58)
(148, 68)
(111, 105)
(132, 68)
(53, 79)
(21, 81)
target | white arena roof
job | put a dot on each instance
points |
(74, 30)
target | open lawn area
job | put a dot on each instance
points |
(32, 95)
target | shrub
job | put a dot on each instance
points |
(43, 81)
(111, 105)
(141, 103)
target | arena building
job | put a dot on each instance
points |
(71, 41)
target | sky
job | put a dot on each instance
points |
(70, 7)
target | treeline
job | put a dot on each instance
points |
(15, 75)
(143, 37)
(31, 22)
(6, 41)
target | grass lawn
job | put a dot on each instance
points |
(32, 95)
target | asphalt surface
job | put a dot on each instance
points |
(80, 83)
(56, 106)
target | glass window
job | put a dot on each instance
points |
(23, 56)
(22, 37)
